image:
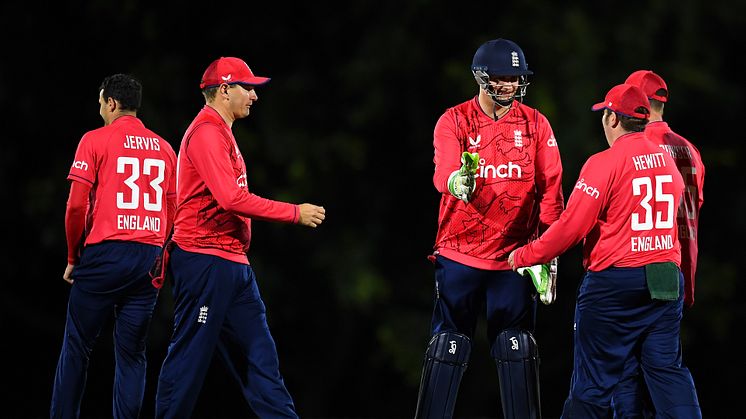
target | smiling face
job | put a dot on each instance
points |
(504, 87)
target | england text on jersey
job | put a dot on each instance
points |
(648, 243)
(136, 222)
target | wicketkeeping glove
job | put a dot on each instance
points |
(544, 278)
(461, 183)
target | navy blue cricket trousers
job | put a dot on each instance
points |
(615, 319)
(111, 278)
(218, 306)
(462, 293)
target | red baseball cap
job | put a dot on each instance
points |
(650, 83)
(230, 70)
(626, 99)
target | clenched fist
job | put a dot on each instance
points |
(311, 215)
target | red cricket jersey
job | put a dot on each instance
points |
(692, 169)
(214, 207)
(518, 184)
(131, 172)
(624, 205)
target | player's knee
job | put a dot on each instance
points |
(450, 347)
(515, 345)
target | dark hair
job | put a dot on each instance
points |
(656, 105)
(210, 92)
(123, 88)
(628, 123)
(632, 124)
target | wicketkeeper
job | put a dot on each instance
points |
(498, 169)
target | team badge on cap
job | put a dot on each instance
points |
(230, 70)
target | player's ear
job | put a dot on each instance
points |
(614, 120)
(111, 104)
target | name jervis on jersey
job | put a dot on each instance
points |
(508, 170)
(135, 142)
(648, 161)
(137, 222)
(648, 243)
(588, 189)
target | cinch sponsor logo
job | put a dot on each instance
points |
(552, 142)
(590, 190)
(80, 164)
(502, 171)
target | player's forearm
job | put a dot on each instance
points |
(246, 204)
(447, 153)
(550, 207)
(440, 180)
(572, 226)
(170, 214)
(549, 184)
(549, 246)
(75, 217)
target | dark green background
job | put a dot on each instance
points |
(346, 122)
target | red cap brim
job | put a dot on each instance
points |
(255, 81)
(598, 106)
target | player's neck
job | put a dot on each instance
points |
(116, 115)
(655, 117)
(492, 109)
(223, 112)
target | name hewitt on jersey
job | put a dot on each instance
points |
(648, 161)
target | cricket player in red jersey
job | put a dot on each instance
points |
(121, 206)
(497, 166)
(690, 164)
(217, 300)
(624, 208)
(630, 396)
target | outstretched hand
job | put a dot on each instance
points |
(311, 215)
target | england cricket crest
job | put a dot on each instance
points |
(518, 138)
(202, 317)
(514, 59)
